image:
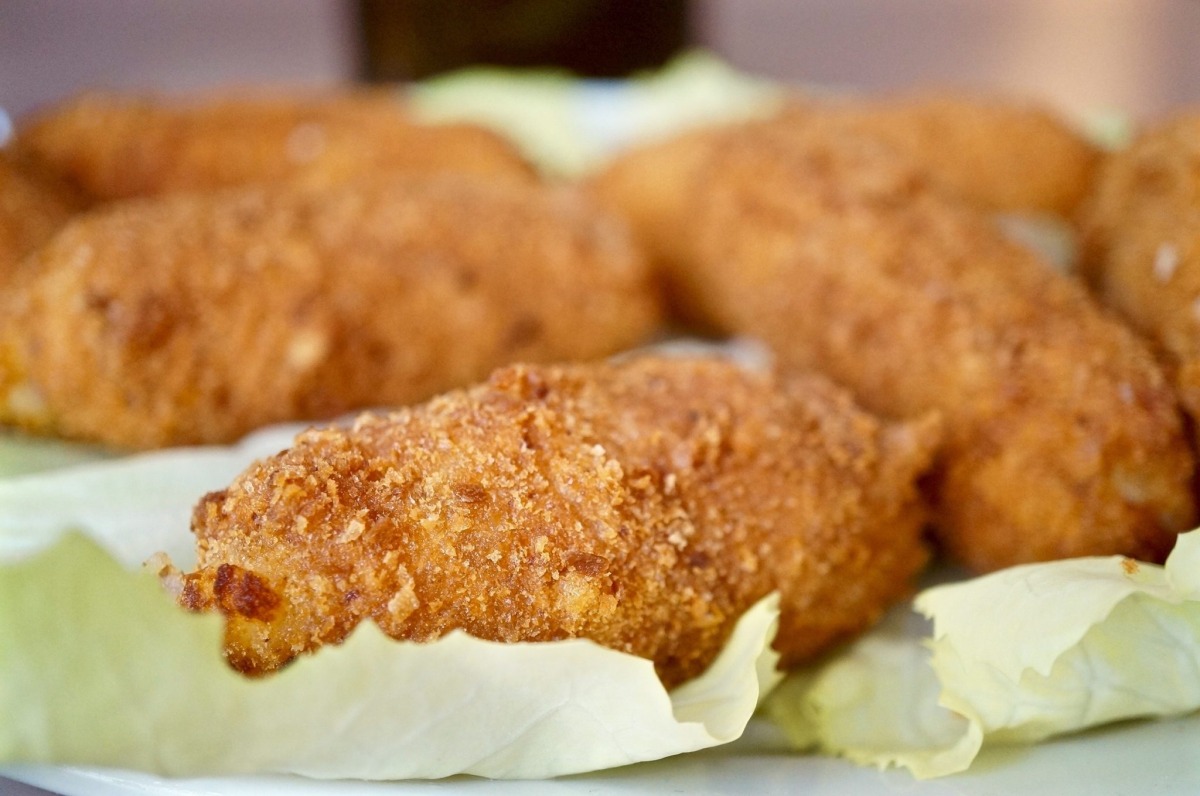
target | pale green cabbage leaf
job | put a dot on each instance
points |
(569, 126)
(1049, 236)
(1015, 657)
(133, 506)
(99, 667)
(21, 454)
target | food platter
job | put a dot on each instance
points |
(1144, 757)
(1136, 757)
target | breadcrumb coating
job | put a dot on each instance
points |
(1140, 233)
(33, 206)
(643, 504)
(1063, 437)
(114, 146)
(195, 319)
(1002, 155)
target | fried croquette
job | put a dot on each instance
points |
(114, 146)
(33, 206)
(197, 318)
(1003, 156)
(1062, 435)
(643, 504)
(1140, 233)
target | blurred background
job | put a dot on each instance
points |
(1085, 56)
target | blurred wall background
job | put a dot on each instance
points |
(51, 48)
(1085, 56)
(1140, 56)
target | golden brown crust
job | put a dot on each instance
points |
(1063, 437)
(198, 318)
(1140, 233)
(33, 206)
(1002, 155)
(648, 186)
(644, 505)
(116, 146)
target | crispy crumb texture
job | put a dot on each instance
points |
(644, 505)
(1001, 155)
(1140, 232)
(1063, 436)
(198, 318)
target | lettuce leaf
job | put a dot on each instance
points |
(874, 703)
(133, 506)
(98, 666)
(1015, 657)
(569, 126)
(1050, 237)
(21, 454)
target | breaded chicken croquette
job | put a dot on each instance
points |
(1004, 156)
(198, 318)
(1140, 234)
(1062, 435)
(33, 206)
(644, 504)
(115, 146)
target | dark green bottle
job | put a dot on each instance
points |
(411, 39)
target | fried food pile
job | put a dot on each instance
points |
(198, 318)
(255, 258)
(1063, 438)
(643, 504)
(250, 259)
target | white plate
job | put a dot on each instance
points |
(1159, 757)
